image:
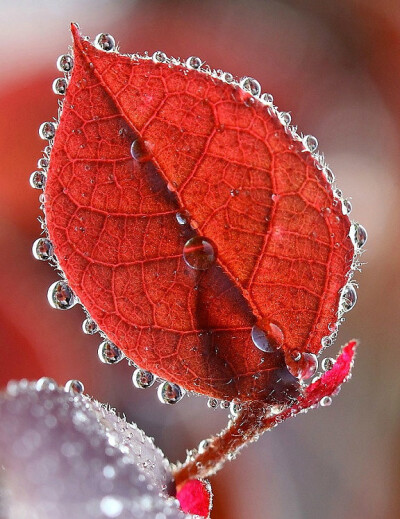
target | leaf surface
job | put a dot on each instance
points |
(209, 154)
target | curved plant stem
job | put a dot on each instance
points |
(247, 426)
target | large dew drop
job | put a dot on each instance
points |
(348, 298)
(109, 353)
(304, 366)
(60, 296)
(269, 338)
(139, 151)
(199, 253)
(169, 393)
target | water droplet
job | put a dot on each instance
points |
(330, 177)
(311, 143)
(267, 99)
(269, 338)
(43, 163)
(42, 249)
(358, 235)
(65, 63)
(325, 401)
(47, 130)
(212, 403)
(326, 341)
(60, 86)
(182, 218)
(251, 85)
(228, 78)
(75, 387)
(305, 367)
(199, 253)
(109, 353)
(203, 446)
(139, 151)
(193, 63)
(60, 296)
(224, 404)
(46, 384)
(348, 298)
(169, 393)
(346, 206)
(235, 408)
(89, 326)
(327, 363)
(159, 57)
(104, 41)
(338, 193)
(285, 118)
(143, 379)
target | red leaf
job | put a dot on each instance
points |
(195, 497)
(276, 249)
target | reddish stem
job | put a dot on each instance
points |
(251, 421)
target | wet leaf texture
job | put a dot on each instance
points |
(183, 214)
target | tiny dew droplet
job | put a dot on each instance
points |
(89, 326)
(60, 296)
(224, 404)
(142, 379)
(42, 249)
(235, 408)
(250, 85)
(46, 384)
(193, 63)
(358, 235)
(327, 364)
(285, 118)
(325, 401)
(47, 130)
(75, 387)
(65, 63)
(104, 41)
(109, 353)
(348, 298)
(159, 57)
(346, 206)
(267, 99)
(182, 217)
(212, 403)
(311, 143)
(169, 393)
(203, 446)
(139, 151)
(326, 341)
(330, 177)
(60, 86)
(43, 163)
(199, 253)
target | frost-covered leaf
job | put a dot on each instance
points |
(66, 456)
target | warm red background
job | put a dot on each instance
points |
(336, 66)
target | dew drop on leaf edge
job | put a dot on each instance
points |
(169, 393)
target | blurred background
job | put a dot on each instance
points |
(336, 67)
